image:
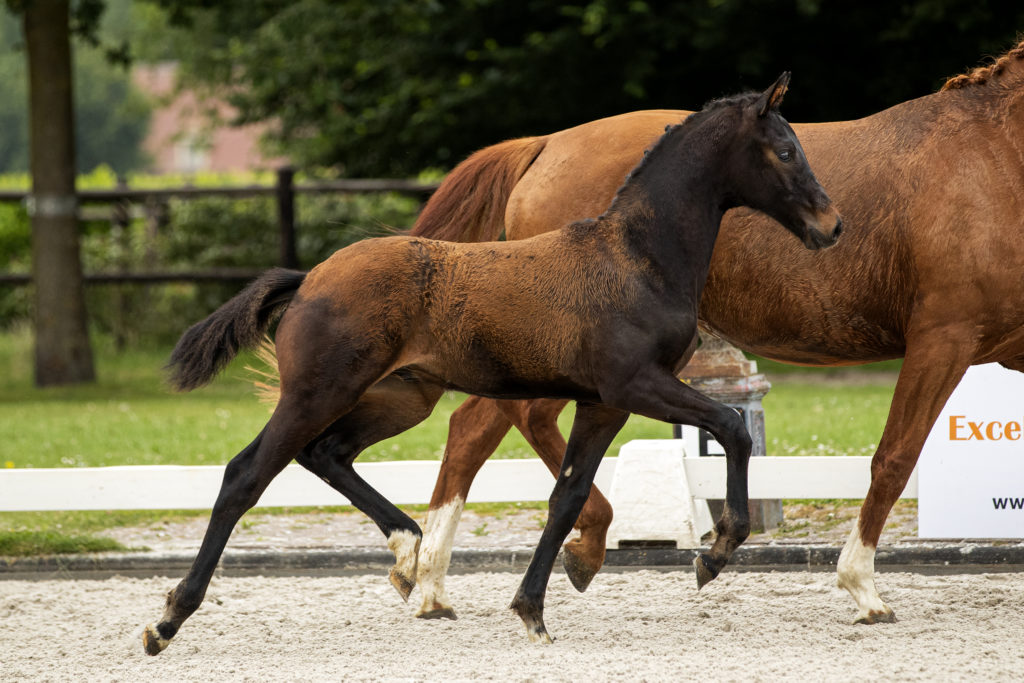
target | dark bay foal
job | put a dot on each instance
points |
(602, 312)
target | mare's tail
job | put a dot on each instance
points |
(241, 323)
(469, 206)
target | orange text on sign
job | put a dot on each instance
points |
(962, 429)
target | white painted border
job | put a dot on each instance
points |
(405, 483)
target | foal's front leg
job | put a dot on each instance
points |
(658, 394)
(592, 432)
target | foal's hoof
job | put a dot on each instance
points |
(875, 616)
(579, 572)
(706, 569)
(152, 641)
(402, 583)
(538, 634)
(437, 612)
(533, 618)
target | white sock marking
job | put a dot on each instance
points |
(403, 544)
(856, 572)
(436, 553)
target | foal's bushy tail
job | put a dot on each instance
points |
(241, 323)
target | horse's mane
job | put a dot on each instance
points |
(986, 74)
(711, 106)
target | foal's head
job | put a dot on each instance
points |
(767, 170)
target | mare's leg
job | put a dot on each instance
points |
(474, 431)
(931, 370)
(582, 557)
(592, 432)
(245, 478)
(390, 407)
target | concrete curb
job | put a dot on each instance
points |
(297, 561)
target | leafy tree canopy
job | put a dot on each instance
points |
(111, 115)
(389, 87)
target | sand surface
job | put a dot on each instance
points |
(633, 625)
(821, 522)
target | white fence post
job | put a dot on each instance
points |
(651, 496)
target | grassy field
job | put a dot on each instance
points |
(130, 418)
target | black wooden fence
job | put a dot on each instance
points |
(152, 204)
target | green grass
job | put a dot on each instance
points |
(773, 368)
(27, 543)
(809, 419)
(129, 417)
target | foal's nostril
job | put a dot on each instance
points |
(836, 231)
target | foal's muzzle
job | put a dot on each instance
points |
(818, 238)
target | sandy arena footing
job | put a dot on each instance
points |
(630, 625)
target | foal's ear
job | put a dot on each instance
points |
(772, 97)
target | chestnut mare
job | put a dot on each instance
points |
(932, 193)
(603, 312)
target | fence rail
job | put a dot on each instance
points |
(406, 483)
(154, 202)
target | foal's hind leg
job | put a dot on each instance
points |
(392, 406)
(245, 479)
(930, 372)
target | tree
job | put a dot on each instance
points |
(389, 87)
(63, 354)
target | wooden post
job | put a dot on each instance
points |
(286, 216)
(721, 371)
(120, 229)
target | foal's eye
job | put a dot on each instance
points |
(784, 155)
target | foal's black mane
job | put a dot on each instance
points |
(710, 108)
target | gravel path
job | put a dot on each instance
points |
(817, 523)
(637, 625)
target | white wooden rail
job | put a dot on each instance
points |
(408, 482)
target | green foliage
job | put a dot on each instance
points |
(388, 87)
(111, 114)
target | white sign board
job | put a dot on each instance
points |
(971, 471)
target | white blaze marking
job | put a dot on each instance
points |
(568, 471)
(856, 570)
(436, 553)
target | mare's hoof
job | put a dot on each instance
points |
(403, 584)
(885, 616)
(579, 572)
(705, 568)
(152, 641)
(437, 612)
